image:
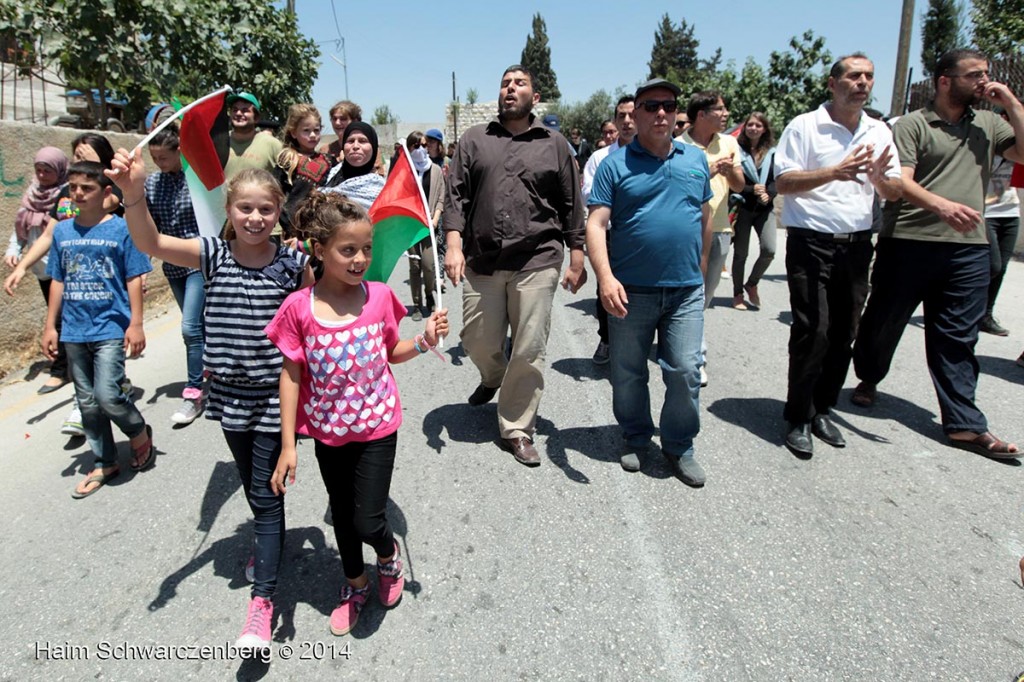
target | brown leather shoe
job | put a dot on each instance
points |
(522, 449)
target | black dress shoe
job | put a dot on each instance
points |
(798, 440)
(823, 428)
(482, 395)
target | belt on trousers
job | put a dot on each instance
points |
(859, 236)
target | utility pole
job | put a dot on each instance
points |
(899, 85)
(455, 110)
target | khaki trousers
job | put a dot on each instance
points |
(491, 306)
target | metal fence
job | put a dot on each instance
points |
(1009, 71)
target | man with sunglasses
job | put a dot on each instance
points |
(650, 199)
(933, 246)
(828, 166)
(708, 115)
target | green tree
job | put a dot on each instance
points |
(472, 96)
(797, 78)
(674, 54)
(587, 116)
(383, 116)
(998, 27)
(941, 31)
(153, 51)
(537, 58)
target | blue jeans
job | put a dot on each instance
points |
(256, 454)
(677, 315)
(97, 368)
(190, 294)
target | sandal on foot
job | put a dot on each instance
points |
(101, 479)
(144, 455)
(986, 445)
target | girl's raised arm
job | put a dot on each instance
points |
(129, 173)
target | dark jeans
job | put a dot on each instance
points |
(357, 477)
(745, 220)
(1002, 237)
(952, 281)
(828, 283)
(602, 319)
(59, 368)
(97, 368)
(256, 454)
(602, 314)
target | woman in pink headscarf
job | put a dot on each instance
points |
(51, 167)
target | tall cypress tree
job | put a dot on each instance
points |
(998, 27)
(674, 54)
(941, 31)
(537, 58)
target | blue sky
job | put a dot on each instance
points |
(402, 53)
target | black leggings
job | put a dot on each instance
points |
(357, 477)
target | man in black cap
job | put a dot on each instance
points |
(652, 199)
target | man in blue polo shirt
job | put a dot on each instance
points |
(654, 195)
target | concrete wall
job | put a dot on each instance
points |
(22, 317)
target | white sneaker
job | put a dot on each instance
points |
(72, 426)
(189, 410)
(703, 377)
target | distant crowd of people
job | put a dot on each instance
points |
(284, 338)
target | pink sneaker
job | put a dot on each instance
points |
(390, 581)
(345, 616)
(256, 634)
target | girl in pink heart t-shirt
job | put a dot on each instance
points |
(338, 339)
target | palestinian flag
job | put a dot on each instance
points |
(204, 148)
(400, 220)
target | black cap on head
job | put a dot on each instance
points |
(656, 83)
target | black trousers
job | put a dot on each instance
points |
(358, 480)
(952, 281)
(828, 284)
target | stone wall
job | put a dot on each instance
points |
(24, 314)
(470, 115)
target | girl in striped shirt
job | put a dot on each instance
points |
(247, 278)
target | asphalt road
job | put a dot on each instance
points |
(893, 559)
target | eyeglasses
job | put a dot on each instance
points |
(971, 76)
(680, 124)
(651, 106)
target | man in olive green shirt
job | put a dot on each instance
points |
(933, 247)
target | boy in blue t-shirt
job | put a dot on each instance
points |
(97, 291)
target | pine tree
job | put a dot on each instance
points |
(998, 27)
(537, 58)
(674, 54)
(941, 31)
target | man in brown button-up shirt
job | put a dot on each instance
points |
(513, 202)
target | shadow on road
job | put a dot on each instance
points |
(463, 423)
(171, 390)
(1004, 368)
(580, 369)
(762, 417)
(223, 483)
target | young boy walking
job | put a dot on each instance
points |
(97, 291)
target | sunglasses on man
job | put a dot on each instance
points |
(651, 106)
